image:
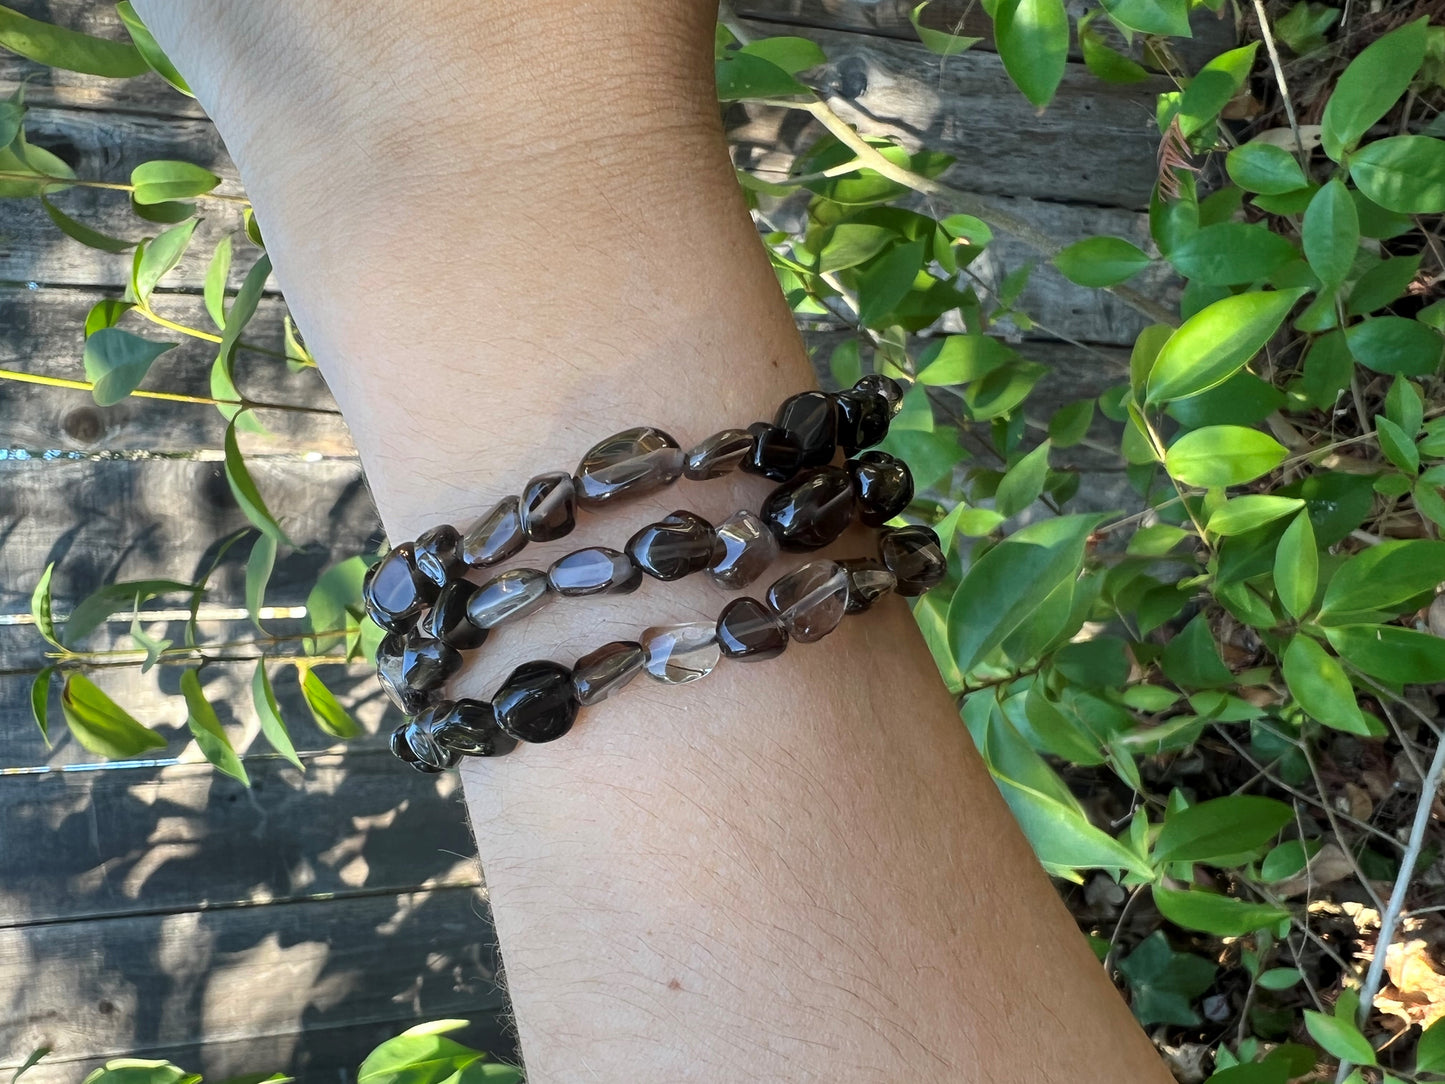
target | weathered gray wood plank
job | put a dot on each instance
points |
(130, 985)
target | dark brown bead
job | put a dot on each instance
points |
(886, 386)
(868, 581)
(469, 727)
(883, 485)
(496, 536)
(537, 702)
(747, 629)
(627, 464)
(413, 668)
(435, 554)
(746, 549)
(594, 571)
(812, 510)
(914, 555)
(863, 418)
(599, 674)
(675, 546)
(722, 453)
(775, 453)
(447, 618)
(811, 418)
(810, 600)
(395, 592)
(549, 507)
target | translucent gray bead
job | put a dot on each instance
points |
(599, 674)
(496, 536)
(677, 654)
(627, 464)
(722, 453)
(748, 549)
(868, 581)
(549, 506)
(515, 593)
(810, 600)
(594, 571)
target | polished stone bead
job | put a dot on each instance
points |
(435, 554)
(775, 453)
(886, 386)
(812, 510)
(868, 581)
(549, 507)
(811, 417)
(412, 669)
(400, 747)
(748, 546)
(677, 654)
(513, 594)
(883, 485)
(863, 418)
(536, 703)
(447, 618)
(627, 464)
(423, 744)
(747, 629)
(914, 555)
(496, 536)
(599, 674)
(468, 727)
(404, 746)
(675, 546)
(722, 453)
(810, 600)
(395, 592)
(596, 570)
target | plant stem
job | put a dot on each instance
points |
(171, 397)
(156, 318)
(49, 180)
(1269, 46)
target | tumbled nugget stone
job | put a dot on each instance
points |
(863, 418)
(436, 556)
(775, 453)
(675, 546)
(886, 386)
(811, 417)
(536, 703)
(447, 618)
(469, 727)
(747, 629)
(883, 485)
(413, 668)
(395, 592)
(722, 453)
(424, 747)
(868, 581)
(914, 555)
(496, 536)
(810, 600)
(599, 674)
(748, 549)
(513, 594)
(549, 507)
(594, 571)
(627, 464)
(677, 654)
(812, 510)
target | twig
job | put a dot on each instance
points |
(1279, 80)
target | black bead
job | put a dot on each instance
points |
(868, 581)
(395, 592)
(914, 555)
(747, 629)
(883, 486)
(675, 546)
(886, 386)
(435, 554)
(447, 618)
(496, 536)
(469, 727)
(413, 668)
(599, 674)
(549, 507)
(423, 744)
(594, 571)
(775, 453)
(812, 510)
(537, 702)
(863, 418)
(722, 453)
(399, 745)
(627, 464)
(811, 418)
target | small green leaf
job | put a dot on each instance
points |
(1297, 567)
(1387, 281)
(1318, 683)
(1220, 828)
(938, 41)
(887, 281)
(1288, 859)
(742, 75)
(245, 491)
(258, 573)
(1399, 449)
(1023, 483)
(1101, 261)
(1217, 342)
(99, 724)
(1254, 510)
(1169, 18)
(1208, 912)
(1104, 61)
(1430, 1050)
(330, 716)
(1393, 344)
(206, 728)
(1331, 233)
(57, 47)
(150, 52)
(1340, 1038)
(152, 646)
(1280, 978)
(1070, 423)
(273, 727)
(1191, 659)
(1210, 90)
(1390, 653)
(217, 272)
(1231, 253)
(961, 359)
(163, 180)
(792, 54)
(1370, 86)
(105, 600)
(116, 362)
(40, 701)
(1383, 578)
(40, 606)
(1303, 28)
(79, 231)
(419, 1055)
(1405, 407)
(161, 255)
(1163, 983)
(1032, 38)
(1156, 540)
(334, 603)
(1264, 168)
(1223, 455)
(1402, 173)
(1061, 836)
(105, 313)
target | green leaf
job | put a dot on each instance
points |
(1156, 540)
(163, 180)
(141, 1071)
(1383, 578)
(1032, 38)
(1231, 253)
(1405, 407)
(1288, 859)
(161, 255)
(96, 607)
(930, 456)
(792, 54)
(150, 52)
(1166, 17)
(57, 47)
(105, 313)
(40, 701)
(1318, 683)
(330, 716)
(1220, 828)
(166, 213)
(1331, 233)
(1217, 342)
(1402, 173)
(1223, 455)
(1303, 28)
(1398, 448)
(245, 491)
(1002, 390)
(1382, 284)
(27, 160)
(1393, 344)
(1061, 836)
(1390, 653)
(1430, 1050)
(81, 232)
(41, 611)
(1297, 567)
(745, 75)
(1370, 86)
(1254, 510)
(852, 243)
(99, 724)
(1101, 261)
(30, 1062)
(1280, 978)
(1340, 1038)
(206, 728)
(1210, 90)
(1264, 168)
(217, 272)
(884, 284)
(335, 602)
(1223, 916)
(1163, 983)
(258, 573)
(960, 359)
(1023, 483)
(1104, 61)
(1243, 399)
(152, 646)
(419, 1055)
(1070, 423)
(1002, 589)
(273, 727)
(116, 361)
(938, 41)
(1191, 659)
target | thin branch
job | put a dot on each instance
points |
(1268, 36)
(170, 397)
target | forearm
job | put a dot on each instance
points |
(797, 867)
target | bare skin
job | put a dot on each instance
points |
(504, 237)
